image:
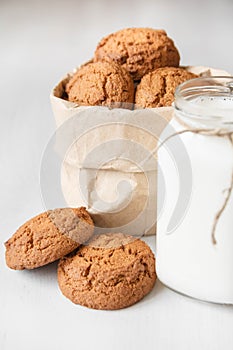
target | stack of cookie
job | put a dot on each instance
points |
(136, 69)
(132, 66)
(111, 271)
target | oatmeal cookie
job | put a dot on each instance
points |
(112, 272)
(139, 50)
(48, 237)
(157, 88)
(101, 84)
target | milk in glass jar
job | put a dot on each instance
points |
(195, 179)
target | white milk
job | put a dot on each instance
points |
(187, 259)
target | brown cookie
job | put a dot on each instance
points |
(112, 272)
(157, 88)
(101, 83)
(139, 50)
(48, 237)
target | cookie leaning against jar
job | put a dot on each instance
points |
(101, 84)
(48, 237)
(157, 88)
(112, 271)
(139, 50)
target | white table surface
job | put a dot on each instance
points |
(40, 41)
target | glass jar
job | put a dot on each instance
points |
(195, 251)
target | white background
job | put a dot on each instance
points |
(40, 41)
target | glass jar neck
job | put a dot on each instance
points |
(206, 102)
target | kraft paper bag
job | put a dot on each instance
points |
(109, 167)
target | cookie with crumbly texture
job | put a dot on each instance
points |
(48, 237)
(112, 272)
(139, 50)
(101, 84)
(157, 88)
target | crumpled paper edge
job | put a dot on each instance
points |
(63, 109)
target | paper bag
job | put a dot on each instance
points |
(110, 166)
